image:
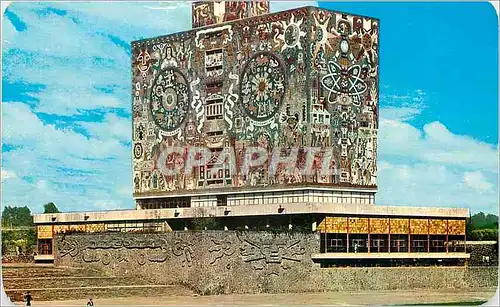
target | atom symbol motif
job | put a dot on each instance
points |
(343, 81)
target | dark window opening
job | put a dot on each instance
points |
(45, 247)
(221, 200)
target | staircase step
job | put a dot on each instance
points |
(69, 282)
(71, 293)
(11, 272)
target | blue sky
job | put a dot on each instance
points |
(66, 121)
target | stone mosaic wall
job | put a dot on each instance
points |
(358, 225)
(400, 226)
(210, 262)
(337, 224)
(254, 262)
(483, 254)
(456, 227)
(419, 226)
(379, 225)
(294, 79)
(437, 227)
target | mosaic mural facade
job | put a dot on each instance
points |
(300, 78)
(215, 12)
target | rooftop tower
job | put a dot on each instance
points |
(208, 13)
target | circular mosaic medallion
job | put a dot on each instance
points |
(170, 98)
(262, 86)
(138, 151)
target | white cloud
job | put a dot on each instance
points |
(435, 144)
(63, 166)
(408, 99)
(476, 180)
(112, 126)
(401, 114)
(435, 185)
(8, 175)
(91, 51)
(21, 127)
(125, 191)
(136, 18)
(433, 166)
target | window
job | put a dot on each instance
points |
(398, 243)
(215, 87)
(213, 107)
(418, 243)
(358, 242)
(221, 200)
(336, 243)
(437, 243)
(45, 247)
(214, 62)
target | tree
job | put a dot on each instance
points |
(482, 227)
(16, 217)
(482, 221)
(203, 221)
(18, 234)
(50, 208)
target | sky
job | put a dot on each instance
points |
(66, 117)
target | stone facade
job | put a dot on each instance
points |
(209, 262)
(246, 262)
(483, 254)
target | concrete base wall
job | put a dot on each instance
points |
(216, 262)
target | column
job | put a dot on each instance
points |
(447, 232)
(428, 236)
(409, 235)
(369, 231)
(347, 243)
(326, 249)
(389, 238)
(53, 252)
